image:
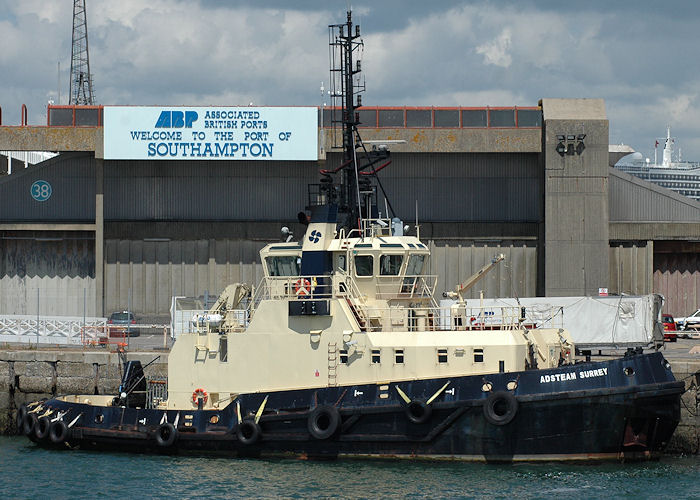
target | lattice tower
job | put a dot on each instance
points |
(80, 76)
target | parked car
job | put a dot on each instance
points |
(670, 334)
(691, 322)
(120, 324)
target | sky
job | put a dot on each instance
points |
(640, 56)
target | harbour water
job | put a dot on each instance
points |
(27, 471)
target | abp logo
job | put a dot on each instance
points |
(176, 119)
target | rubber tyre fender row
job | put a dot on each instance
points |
(418, 411)
(166, 435)
(41, 429)
(323, 422)
(29, 423)
(58, 432)
(21, 413)
(248, 432)
(500, 407)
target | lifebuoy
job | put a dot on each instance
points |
(41, 429)
(200, 393)
(248, 432)
(500, 407)
(58, 432)
(166, 435)
(302, 287)
(28, 424)
(418, 411)
(323, 421)
(21, 413)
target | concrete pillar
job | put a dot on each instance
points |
(99, 237)
(575, 150)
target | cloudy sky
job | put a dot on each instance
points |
(640, 56)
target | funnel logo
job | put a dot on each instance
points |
(315, 236)
(176, 119)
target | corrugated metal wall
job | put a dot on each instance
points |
(206, 190)
(677, 278)
(47, 276)
(632, 199)
(148, 273)
(485, 187)
(72, 179)
(631, 267)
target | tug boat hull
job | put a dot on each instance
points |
(625, 409)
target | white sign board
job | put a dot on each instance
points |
(210, 133)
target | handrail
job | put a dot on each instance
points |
(23, 113)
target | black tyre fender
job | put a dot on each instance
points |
(166, 435)
(323, 421)
(500, 407)
(41, 429)
(418, 411)
(21, 413)
(28, 424)
(248, 432)
(58, 432)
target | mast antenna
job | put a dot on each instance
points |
(81, 92)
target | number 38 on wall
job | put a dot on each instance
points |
(40, 190)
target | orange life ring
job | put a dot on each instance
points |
(200, 393)
(302, 286)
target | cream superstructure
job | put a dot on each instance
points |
(372, 319)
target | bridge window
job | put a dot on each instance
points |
(390, 265)
(364, 265)
(285, 265)
(415, 265)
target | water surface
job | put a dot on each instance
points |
(27, 471)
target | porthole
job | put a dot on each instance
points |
(629, 371)
(214, 419)
(512, 385)
(487, 387)
(99, 419)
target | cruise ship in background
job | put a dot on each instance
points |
(680, 176)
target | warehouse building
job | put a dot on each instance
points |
(104, 227)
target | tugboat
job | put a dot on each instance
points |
(342, 350)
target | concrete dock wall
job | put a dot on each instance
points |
(29, 375)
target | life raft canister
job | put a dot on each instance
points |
(302, 287)
(200, 393)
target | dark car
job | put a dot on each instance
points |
(120, 325)
(670, 334)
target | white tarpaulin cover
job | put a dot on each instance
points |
(592, 321)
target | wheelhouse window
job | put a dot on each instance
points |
(390, 265)
(284, 265)
(364, 265)
(415, 265)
